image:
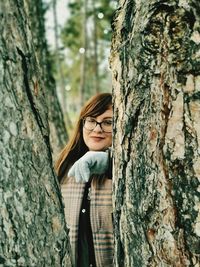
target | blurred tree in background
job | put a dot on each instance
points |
(81, 50)
(58, 133)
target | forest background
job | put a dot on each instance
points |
(79, 39)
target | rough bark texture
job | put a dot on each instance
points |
(32, 225)
(156, 85)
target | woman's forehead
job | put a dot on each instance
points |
(106, 114)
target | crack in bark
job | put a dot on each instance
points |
(31, 100)
(2, 260)
(132, 123)
(28, 90)
(36, 113)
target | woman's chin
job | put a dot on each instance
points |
(97, 148)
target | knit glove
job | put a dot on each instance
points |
(93, 162)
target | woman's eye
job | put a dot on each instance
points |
(108, 123)
(91, 120)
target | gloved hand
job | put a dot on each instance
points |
(93, 162)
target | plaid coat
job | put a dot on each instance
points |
(100, 217)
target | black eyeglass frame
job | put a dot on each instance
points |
(97, 123)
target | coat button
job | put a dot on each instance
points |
(83, 210)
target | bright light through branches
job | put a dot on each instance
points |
(100, 15)
(82, 50)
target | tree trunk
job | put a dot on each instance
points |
(58, 133)
(84, 55)
(61, 79)
(32, 226)
(95, 40)
(57, 55)
(156, 80)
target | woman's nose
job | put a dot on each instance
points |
(98, 128)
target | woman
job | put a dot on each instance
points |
(85, 175)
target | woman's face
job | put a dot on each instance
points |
(97, 139)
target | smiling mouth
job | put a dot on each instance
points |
(97, 137)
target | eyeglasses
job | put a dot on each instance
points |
(90, 124)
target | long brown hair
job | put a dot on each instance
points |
(76, 146)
